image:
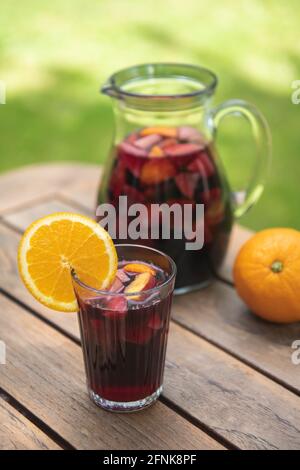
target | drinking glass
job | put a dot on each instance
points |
(124, 335)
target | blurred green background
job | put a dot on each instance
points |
(54, 56)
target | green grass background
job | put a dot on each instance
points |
(55, 55)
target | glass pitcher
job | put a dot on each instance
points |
(164, 152)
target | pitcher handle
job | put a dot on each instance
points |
(244, 200)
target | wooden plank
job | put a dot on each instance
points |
(238, 237)
(250, 410)
(21, 218)
(216, 313)
(18, 433)
(45, 373)
(24, 185)
(83, 191)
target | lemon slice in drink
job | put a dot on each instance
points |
(57, 243)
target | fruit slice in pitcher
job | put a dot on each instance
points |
(161, 130)
(190, 134)
(147, 141)
(131, 149)
(156, 151)
(187, 183)
(154, 171)
(200, 162)
(180, 150)
(164, 144)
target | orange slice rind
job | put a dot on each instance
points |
(160, 130)
(139, 268)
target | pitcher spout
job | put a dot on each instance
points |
(109, 90)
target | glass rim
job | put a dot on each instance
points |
(111, 86)
(82, 284)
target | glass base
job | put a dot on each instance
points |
(125, 407)
(186, 289)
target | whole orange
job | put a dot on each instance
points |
(267, 274)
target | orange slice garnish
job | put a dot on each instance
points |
(57, 243)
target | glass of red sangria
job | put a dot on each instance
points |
(124, 329)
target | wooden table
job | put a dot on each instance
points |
(229, 380)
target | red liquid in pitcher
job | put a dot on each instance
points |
(175, 165)
(125, 337)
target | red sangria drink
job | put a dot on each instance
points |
(124, 329)
(157, 165)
